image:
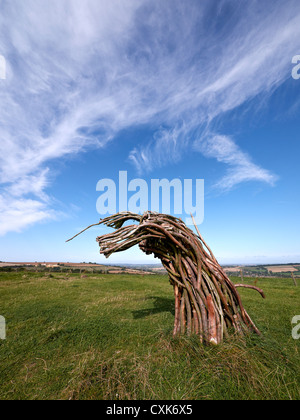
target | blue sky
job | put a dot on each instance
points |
(169, 89)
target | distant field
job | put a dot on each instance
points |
(102, 336)
(282, 268)
(74, 267)
(261, 270)
(233, 269)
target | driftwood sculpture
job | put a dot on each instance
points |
(206, 301)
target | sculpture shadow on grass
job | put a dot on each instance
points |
(159, 305)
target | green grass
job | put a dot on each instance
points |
(110, 337)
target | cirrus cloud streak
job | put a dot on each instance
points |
(81, 71)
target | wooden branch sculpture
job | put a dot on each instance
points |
(206, 301)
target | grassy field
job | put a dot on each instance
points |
(110, 337)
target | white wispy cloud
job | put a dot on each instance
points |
(251, 59)
(241, 168)
(19, 213)
(80, 71)
(173, 141)
(58, 92)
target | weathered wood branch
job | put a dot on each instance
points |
(248, 286)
